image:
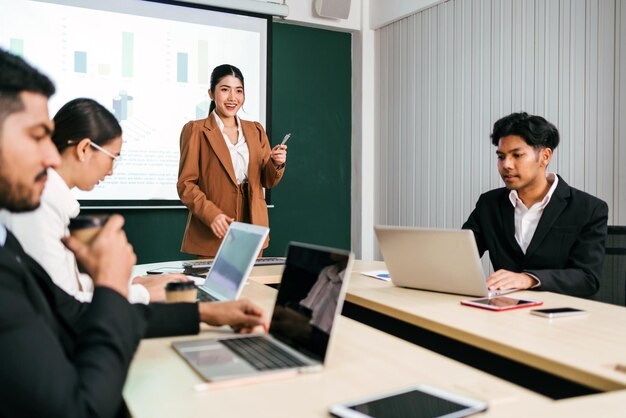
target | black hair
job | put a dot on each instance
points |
(84, 118)
(220, 72)
(17, 76)
(536, 131)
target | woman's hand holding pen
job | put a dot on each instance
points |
(279, 155)
(220, 225)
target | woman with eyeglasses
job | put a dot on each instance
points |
(89, 139)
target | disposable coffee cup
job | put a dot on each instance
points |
(176, 292)
(85, 228)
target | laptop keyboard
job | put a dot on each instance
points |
(261, 353)
(205, 297)
(264, 261)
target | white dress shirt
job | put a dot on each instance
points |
(239, 153)
(3, 235)
(40, 232)
(527, 219)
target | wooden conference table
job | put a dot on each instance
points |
(363, 361)
(584, 350)
(260, 274)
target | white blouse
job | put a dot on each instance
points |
(527, 219)
(239, 153)
(40, 232)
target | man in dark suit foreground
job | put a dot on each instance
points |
(540, 233)
(60, 357)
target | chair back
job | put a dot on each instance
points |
(613, 280)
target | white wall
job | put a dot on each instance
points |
(303, 12)
(493, 68)
(619, 157)
(447, 73)
(363, 138)
(384, 12)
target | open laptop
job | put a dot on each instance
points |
(440, 260)
(233, 262)
(309, 300)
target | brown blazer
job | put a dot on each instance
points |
(207, 184)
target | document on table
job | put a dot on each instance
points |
(378, 274)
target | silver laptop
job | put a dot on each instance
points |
(233, 262)
(440, 260)
(309, 300)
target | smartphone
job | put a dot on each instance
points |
(501, 303)
(285, 139)
(557, 312)
(420, 400)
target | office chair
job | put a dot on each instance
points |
(613, 280)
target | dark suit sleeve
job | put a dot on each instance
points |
(170, 319)
(40, 377)
(473, 223)
(162, 319)
(581, 275)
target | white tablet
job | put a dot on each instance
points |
(419, 401)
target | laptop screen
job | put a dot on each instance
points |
(309, 298)
(234, 260)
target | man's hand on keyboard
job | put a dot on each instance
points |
(242, 315)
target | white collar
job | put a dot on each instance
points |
(3, 234)
(61, 195)
(552, 178)
(221, 124)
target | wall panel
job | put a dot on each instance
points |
(448, 72)
(619, 157)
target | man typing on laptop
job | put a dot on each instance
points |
(540, 233)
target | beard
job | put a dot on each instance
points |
(16, 198)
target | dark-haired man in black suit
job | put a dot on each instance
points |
(60, 357)
(541, 233)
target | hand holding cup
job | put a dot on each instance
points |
(108, 258)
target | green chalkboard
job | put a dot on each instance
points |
(311, 98)
(156, 234)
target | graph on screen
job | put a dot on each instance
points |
(149, 63)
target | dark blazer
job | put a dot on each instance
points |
(63, 358)
(207, 184)
(567, 250)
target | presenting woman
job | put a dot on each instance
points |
(225, 163)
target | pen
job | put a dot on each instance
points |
(285, 139)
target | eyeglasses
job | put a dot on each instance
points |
(115, 158)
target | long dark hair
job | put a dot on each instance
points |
(220, 72)
(84, 118)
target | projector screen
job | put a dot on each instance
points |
(149, 63)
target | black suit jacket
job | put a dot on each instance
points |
(63, 358)
(567, 250)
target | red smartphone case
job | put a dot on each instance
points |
(501, 308)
